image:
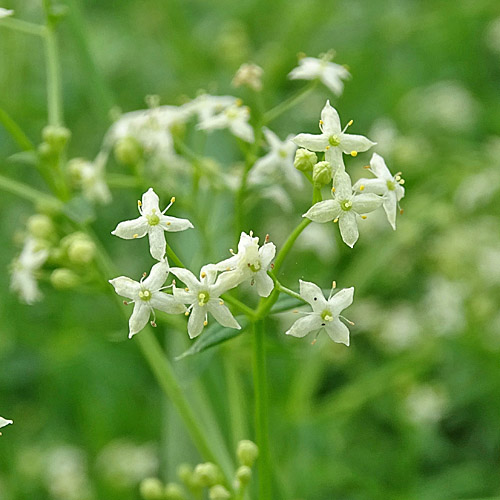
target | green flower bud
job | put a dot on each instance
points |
(56, 137)
(244, 474)
(81, 251)
(76, 167)
(207, 474)
(247, 452)
(218, 492)
(128, 151)
(64, 279)
(174, 492)
(151, 488)
(304, 160)
(45, 151)
(40, 226)
(322, 173)
(185, 473)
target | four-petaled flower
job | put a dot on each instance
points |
(329, 73)
(325, 313)
(146, 296)
(385, 184)
(333, 140)
(152, 222)
(203, 297)
(344, 207)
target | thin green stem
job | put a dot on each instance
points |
(284, 289)
(54, 85)
(261, 410)
(239, 305)
(15, 24)
(289, 244)
(15, 131)
(28, 193)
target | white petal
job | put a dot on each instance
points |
(379, 168)
(139, 318)
(4, 422)
(309, 68)
(166, 303)
(312, 294)
(272, 139)
(196, 320)
(184, 297)
(337, 331)
(228, 280)
(366, 203)
(264, 283)
(131, 229)
(313, 142)
(150, 202)
(305, 325)
(341, 300)
(227, 264)
(342, 185)
(242, 129)
(157, 276)
(352, 142)
(267, 252)
(214, 122)
(323, 211)
(126, 287)
(349, 228)
(187, 277)
(334, 156)
(377, 186)
(157, 243)
(330, 119)
(222, 314)
(263, 168)
(173, 224)
(390, 207)
(332, 77)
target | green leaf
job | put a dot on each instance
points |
(214, 335)
(25, 157)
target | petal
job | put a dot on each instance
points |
(228, 280)
(313, 142)
(4, 422)
(390, 207)
(305, 325)
(126, 287)
(365, 203)
(173, 224)
(379, 168)
(264, 283)
(308, 69)
(330, 119)
(377, 186)
(213, 122)
(131, 229)
(337, 331)
(166, 303)
(227, 264)
(267, 252)
(342, 185)
(157, 276)
(139, 318)
(263, 168)
(352, 142)
(196, 320)
(272, 139)
(323, 211)
(400, 192)
(181, 295)
(340, 301)
(312, 294)
(334, 156)
(349, 228)
(150, 202)
(157, 243)
(242, 129)
(222, 314)
(186, 276)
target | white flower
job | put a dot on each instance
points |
(5, 12)
(250, 263)
(249, 74)
(326, 313)
(278, 163)
(152, 222)
(146, 296)
(329, 73)
(23, 280)
(4, 422)
(333, 140)
(206, 106)
(90, 176)
(203, 295)
(235, 118)
(344, 207)
(385, 184)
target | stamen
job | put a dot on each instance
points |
(327, 148)
(401, 181)
(367, 167)
(346, 320)
(205, 323)
(266, 240)
(203, 274)
(172, 200)
(333, 190)
(186, 289)
(401, 211)
(335, 220)
(153, 324)
(363, 217)
(186, 313)
(221, 302)
(238, 102)
(362, 187)
(139, 203)
(354, 154)
(135, 235)
(321, 122)
(231, 251)
(125, 303)
(295, 311)
(349, 123)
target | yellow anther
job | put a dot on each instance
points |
(401, 212)
(350, 123)
(295, 311)
(321, 122)
(186, 313)
(367, 167)
(135, 235)
(172, 200)
(402, 181)
(335, 220)
(186, 289)
(333, 190)
(314, 341)
(238, 102)
(203, 274)
(362, 187)
(334, 285)
(354, 153)
(205, 323)
(139, 202)
(327, 148)
(363, 216)
(169, 223)
(221, 302)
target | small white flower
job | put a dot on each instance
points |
(329, 73)
(203, 297)
(146, 296)
(249, 74)
(152, 222)
(333, 140)
(344, 207)
(250, 263)
(325, 314)
(206, 106)
(5, 12)
(235, 118)
(90, 176)
(23, 279)
(385, 184)
(4, 422)
(278, 163)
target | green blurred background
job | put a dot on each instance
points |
(411, 410)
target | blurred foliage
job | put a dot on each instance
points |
(411, 409)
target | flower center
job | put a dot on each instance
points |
(283, 153)
(255, 267)
(231, 113)
(153, 219)
(334, 140)
(346, 205)
(203, 298)
(391, 186)
(326, 315)
(145, 295)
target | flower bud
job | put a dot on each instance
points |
(249, 75)
(174, 492)
(40, 226)
(304, 160)
(244, 474)
(207, 474)
(56, 137)
(322, 173)
(64, 279)
(128, 151)
(151, 488)
(45, 151)
(81, 251)
(247, 452)
(185, 473)
(218, 492)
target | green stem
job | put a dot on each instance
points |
(54, 86)
(15, 131)
(261, 410)
(284, 289)
(22, 26)
(289, 103)
(28, 193)
(288, 245)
